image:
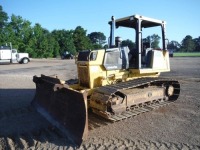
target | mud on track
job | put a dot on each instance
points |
(175, 126)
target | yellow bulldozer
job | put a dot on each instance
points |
(113, 83)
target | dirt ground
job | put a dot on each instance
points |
(176, 126)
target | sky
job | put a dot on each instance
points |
(182, 16)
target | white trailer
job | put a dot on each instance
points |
(10, 55)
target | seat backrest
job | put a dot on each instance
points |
(148, 59)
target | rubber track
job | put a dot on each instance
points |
(96, 121)
(111, 89)
(135, 112)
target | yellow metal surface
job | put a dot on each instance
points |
(92, 73)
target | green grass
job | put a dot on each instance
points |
(196, 54)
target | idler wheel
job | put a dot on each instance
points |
(170, 90)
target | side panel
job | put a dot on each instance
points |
(90, 69)
(160, 60)
(5, 54)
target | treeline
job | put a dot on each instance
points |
(41, 43)
(188, 44)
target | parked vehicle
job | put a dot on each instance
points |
(67, 55)
(7, 54)
(171, 52)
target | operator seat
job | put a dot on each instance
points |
(132, 56)
(146, 54)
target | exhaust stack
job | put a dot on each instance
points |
(112, 35)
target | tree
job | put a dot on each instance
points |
(41, 42)
(81, 41)
(98, 39)
(16, 26)
(129, 43)
(21, 33)
(174, 45)
(65, 40)
(3, 24)
(197, 44)
(188, 44)
(3, 18)
(154, 40)
(53, 46)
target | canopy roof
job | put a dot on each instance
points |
(131, 22)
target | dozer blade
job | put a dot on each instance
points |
(63, 107)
